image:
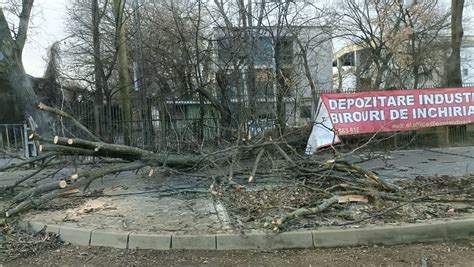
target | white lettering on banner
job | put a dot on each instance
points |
(442, 112)
(386, 111)
(400, 114)
(453, 98)
(358, 116)
(371, 102)
(332, 103)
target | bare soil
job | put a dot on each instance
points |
(454, 253)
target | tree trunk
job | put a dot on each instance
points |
(224, 106)
(13, 79)
(124, 79)
(99, 75)
(452, 70)
(453, 64)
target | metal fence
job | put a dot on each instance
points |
(14, 140)
(155, 124)
(188, 124)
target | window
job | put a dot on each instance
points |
(264, 83)
(224, 50)
(232, 82)
(348, 59)
(263, 53)
(229, 47)
(465, 72)
(284, 50)
(305, 112)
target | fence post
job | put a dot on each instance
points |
(443, 135)
(25, 140)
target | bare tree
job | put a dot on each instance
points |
(124, 79)
(453, 76)
(402, 45)
(13, 78)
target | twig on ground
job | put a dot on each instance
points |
(404, 204)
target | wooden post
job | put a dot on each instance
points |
(442, 133)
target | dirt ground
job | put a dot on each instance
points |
(454, 253)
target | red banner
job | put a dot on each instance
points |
(401, 110)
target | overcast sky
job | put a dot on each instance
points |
(47, 26)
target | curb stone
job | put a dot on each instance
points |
(78, 236)
(52, 228)
(23, 225)
(329, 237)
(35, 227)
(335, 238)
(149, 241)
(109, 239)
(380, 236)
(265, 241)
(425, 232)
(460, 229)
(194, 242)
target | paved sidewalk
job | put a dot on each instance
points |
(454, 161)
(156, 204)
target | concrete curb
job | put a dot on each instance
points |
(384, 235)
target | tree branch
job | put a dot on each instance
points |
(24, 21)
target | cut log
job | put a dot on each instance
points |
(73, 177)
(112, 150)
(255, 165)
(39, 190)
(70, 192)
(307, 211)
(353, 198)
(68, 150)
(121, 151)
(151, 172)
(28, 199)
(33, 203)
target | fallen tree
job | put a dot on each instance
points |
(337, 176)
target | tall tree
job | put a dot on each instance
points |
(12, 73)
(124, 79)
(453, 76)
(399, 45)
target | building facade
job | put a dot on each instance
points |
(272, 70)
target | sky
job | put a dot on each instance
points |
(48, 25)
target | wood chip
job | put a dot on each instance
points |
(353, 198)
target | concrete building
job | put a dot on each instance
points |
(351, 62)
(283, 64)
(467, 60)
